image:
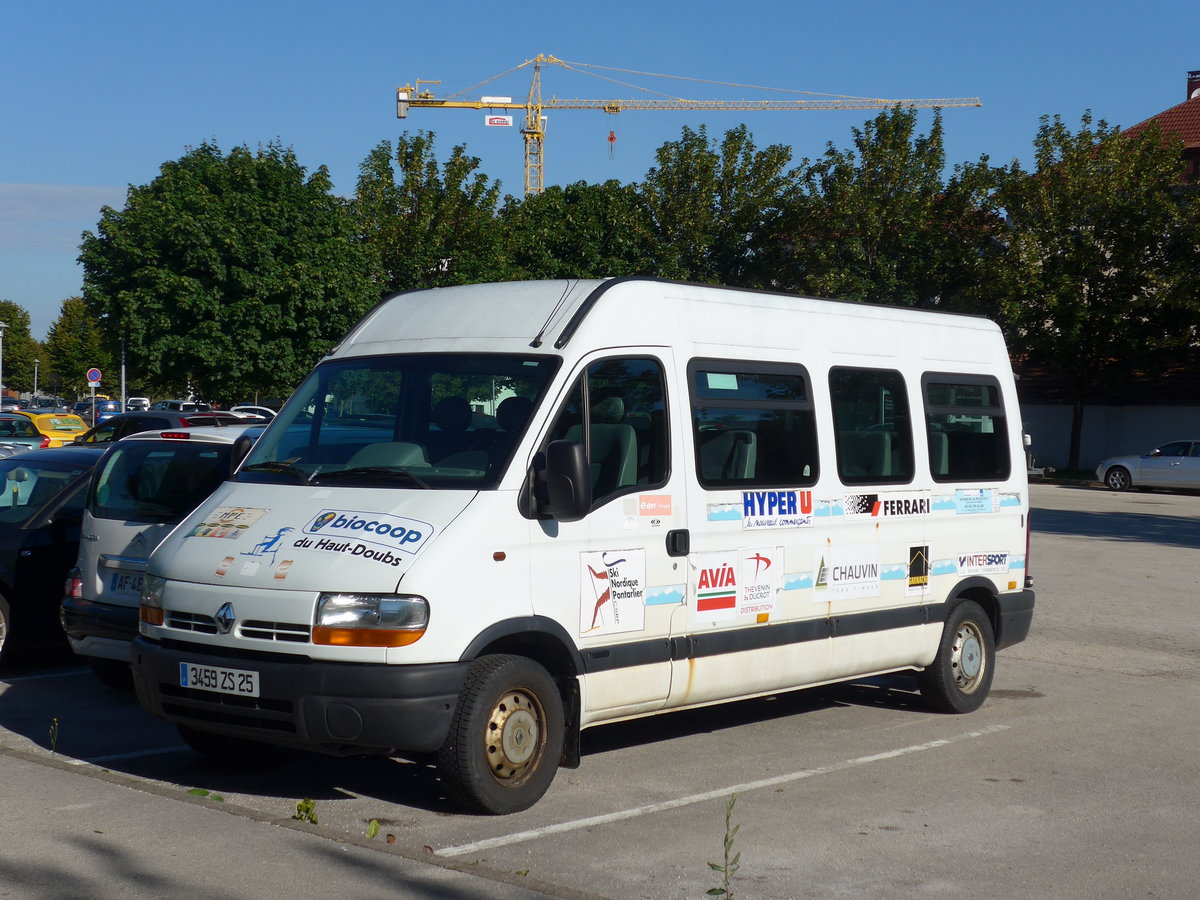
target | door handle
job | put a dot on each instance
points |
(679, 542)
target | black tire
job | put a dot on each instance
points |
(960, 676)
(506, 737)
(1117, 478)
(233, 752)
(5, 631)
(117, 675)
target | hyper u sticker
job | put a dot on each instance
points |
(227, 522)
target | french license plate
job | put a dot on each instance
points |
(127, 583)
(221, 681)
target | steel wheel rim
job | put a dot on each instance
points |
(515, 736)
(967, 660)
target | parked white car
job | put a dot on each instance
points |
(1173, 465)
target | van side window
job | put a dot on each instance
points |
(965, 424)
(753, 424)
(872, 426)
(618, 409)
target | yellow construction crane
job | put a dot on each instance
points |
(534, 130)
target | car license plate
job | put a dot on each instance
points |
(126, 583)
(221, 681)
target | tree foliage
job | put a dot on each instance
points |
(19, 348)
(580, 231)
(227, 274)
(880, 223)
(716, 209)
(428, 224)
(1099, 269)
(75, 344)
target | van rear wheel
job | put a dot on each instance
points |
(506, 737)
(960, 677)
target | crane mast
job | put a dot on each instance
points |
(534, 130)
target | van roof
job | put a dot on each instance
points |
(532, 316)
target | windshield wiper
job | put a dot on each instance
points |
(372, 473)
(284, 466)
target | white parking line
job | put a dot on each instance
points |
(69, 673)
(722, 793)
(137, 754)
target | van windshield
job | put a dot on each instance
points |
(429, 421)
(156, 481)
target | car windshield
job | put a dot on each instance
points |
(424, 421)
(156, 481)
(30, 483)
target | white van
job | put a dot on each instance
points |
(498, 514)
(141, 488)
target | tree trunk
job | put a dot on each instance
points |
(1076, 435)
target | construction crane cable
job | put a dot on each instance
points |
(753, 87)
(487, 80)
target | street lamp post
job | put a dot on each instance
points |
(3, 325)
(35, 373)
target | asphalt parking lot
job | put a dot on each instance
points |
(1076, 778)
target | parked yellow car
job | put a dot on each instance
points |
(60, 428)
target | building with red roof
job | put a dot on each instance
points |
(1182, 121)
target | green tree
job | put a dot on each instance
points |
(578, 231)
(74, 344)
(1099, 270)
(428, 225)
(19, 348)
(716, 209)
(879, 223)
(227, 274)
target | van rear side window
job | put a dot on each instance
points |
(753, 424)
(145, 481)
(872, 426)
(965, 424)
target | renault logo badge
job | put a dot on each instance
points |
(225, 618)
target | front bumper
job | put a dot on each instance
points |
(337, 708)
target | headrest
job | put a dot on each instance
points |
(514, 412)
(452, 414)
(608, 411)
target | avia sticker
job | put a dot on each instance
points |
(846, 573)
(983, 564)
(777, 509)
(384, 530)
(227, 522)
(888, 506)
(612, 592)
(736, 583)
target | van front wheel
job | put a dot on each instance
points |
(506, 736)
(960, 677)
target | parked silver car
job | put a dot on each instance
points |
(1173, 465)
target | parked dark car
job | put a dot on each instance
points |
(152, 420)
(42, 498)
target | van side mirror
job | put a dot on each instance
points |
(241, 447)
(563, 483)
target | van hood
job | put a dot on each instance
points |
(287, 537)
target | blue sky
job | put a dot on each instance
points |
(96, 96)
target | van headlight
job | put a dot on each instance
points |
(370, 620)
(151, 609)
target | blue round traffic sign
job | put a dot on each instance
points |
(93, 374)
